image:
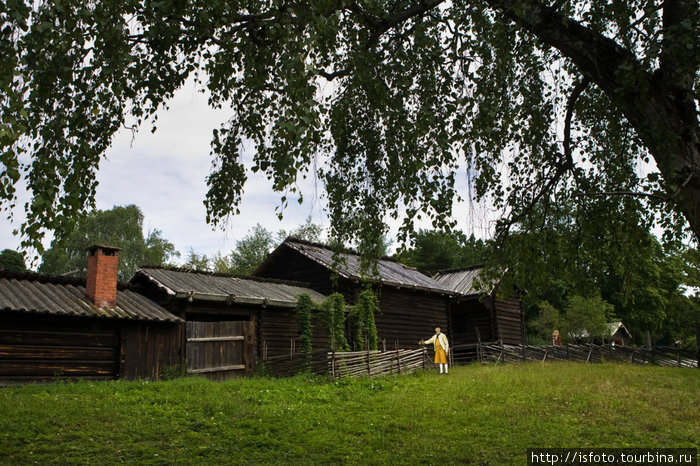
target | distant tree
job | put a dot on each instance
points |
(548, 320)
(586, 318)
(250, 251)
(12, 260)
(308, 231)
(438, 250)
(253, 248)
(197, 262)
(122, 227)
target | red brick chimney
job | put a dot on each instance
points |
(103, 265)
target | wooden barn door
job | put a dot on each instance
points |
(220, 350)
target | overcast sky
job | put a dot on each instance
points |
(164, 174)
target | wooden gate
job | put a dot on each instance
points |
(220, 350)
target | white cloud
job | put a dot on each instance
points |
(164, 174)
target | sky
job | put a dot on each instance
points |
(164, 173)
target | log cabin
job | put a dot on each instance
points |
(476, 315)
(66, 328)
(232, 322)
(411, 304)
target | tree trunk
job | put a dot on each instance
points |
(660, 105)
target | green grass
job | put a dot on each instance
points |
(475, 415)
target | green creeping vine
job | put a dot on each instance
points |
(334, 313)
(303, 313)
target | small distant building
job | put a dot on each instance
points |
(619, 335)
(66, 328)
(475, 315)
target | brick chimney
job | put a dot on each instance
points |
(103, 265)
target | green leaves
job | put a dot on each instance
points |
(120, 227)
(388, 103)
(303, 313)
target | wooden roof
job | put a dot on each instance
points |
(463, 281)
(28, 292)
(347, 265)
(205, 286)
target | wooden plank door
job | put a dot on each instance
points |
(220, 350)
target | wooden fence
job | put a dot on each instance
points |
(398, 361)
(347, 364)
(587, 353)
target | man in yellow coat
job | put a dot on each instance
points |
(442, 347)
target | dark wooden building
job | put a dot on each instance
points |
(64, 328)
(231, 322)
(619, 335)
(411, 304)
(471, 313)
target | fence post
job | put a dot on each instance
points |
(369, 367)
(590, 350)
(398, 356)
(679, 356)
(523, 346)
(333, 359)
(479, 355)
(653, 354)
(568, 357)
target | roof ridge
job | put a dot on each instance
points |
(403, 274)
(461, 269)
(345, 250)
(228, 275)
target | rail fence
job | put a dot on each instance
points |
(495, 352)
(401, 361)
(348, 364)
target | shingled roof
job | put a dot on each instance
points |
(28, 292)
(205, 286)
(347, 265)
(463, 281)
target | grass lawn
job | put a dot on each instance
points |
(475, 415)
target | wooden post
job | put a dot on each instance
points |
(398, 355)
(333, 364)
(524, 357)
(679, 356)
(567, 352)
(653, 353)
(384, 345)
(369, 367)
(590, 350)
(479, 355)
